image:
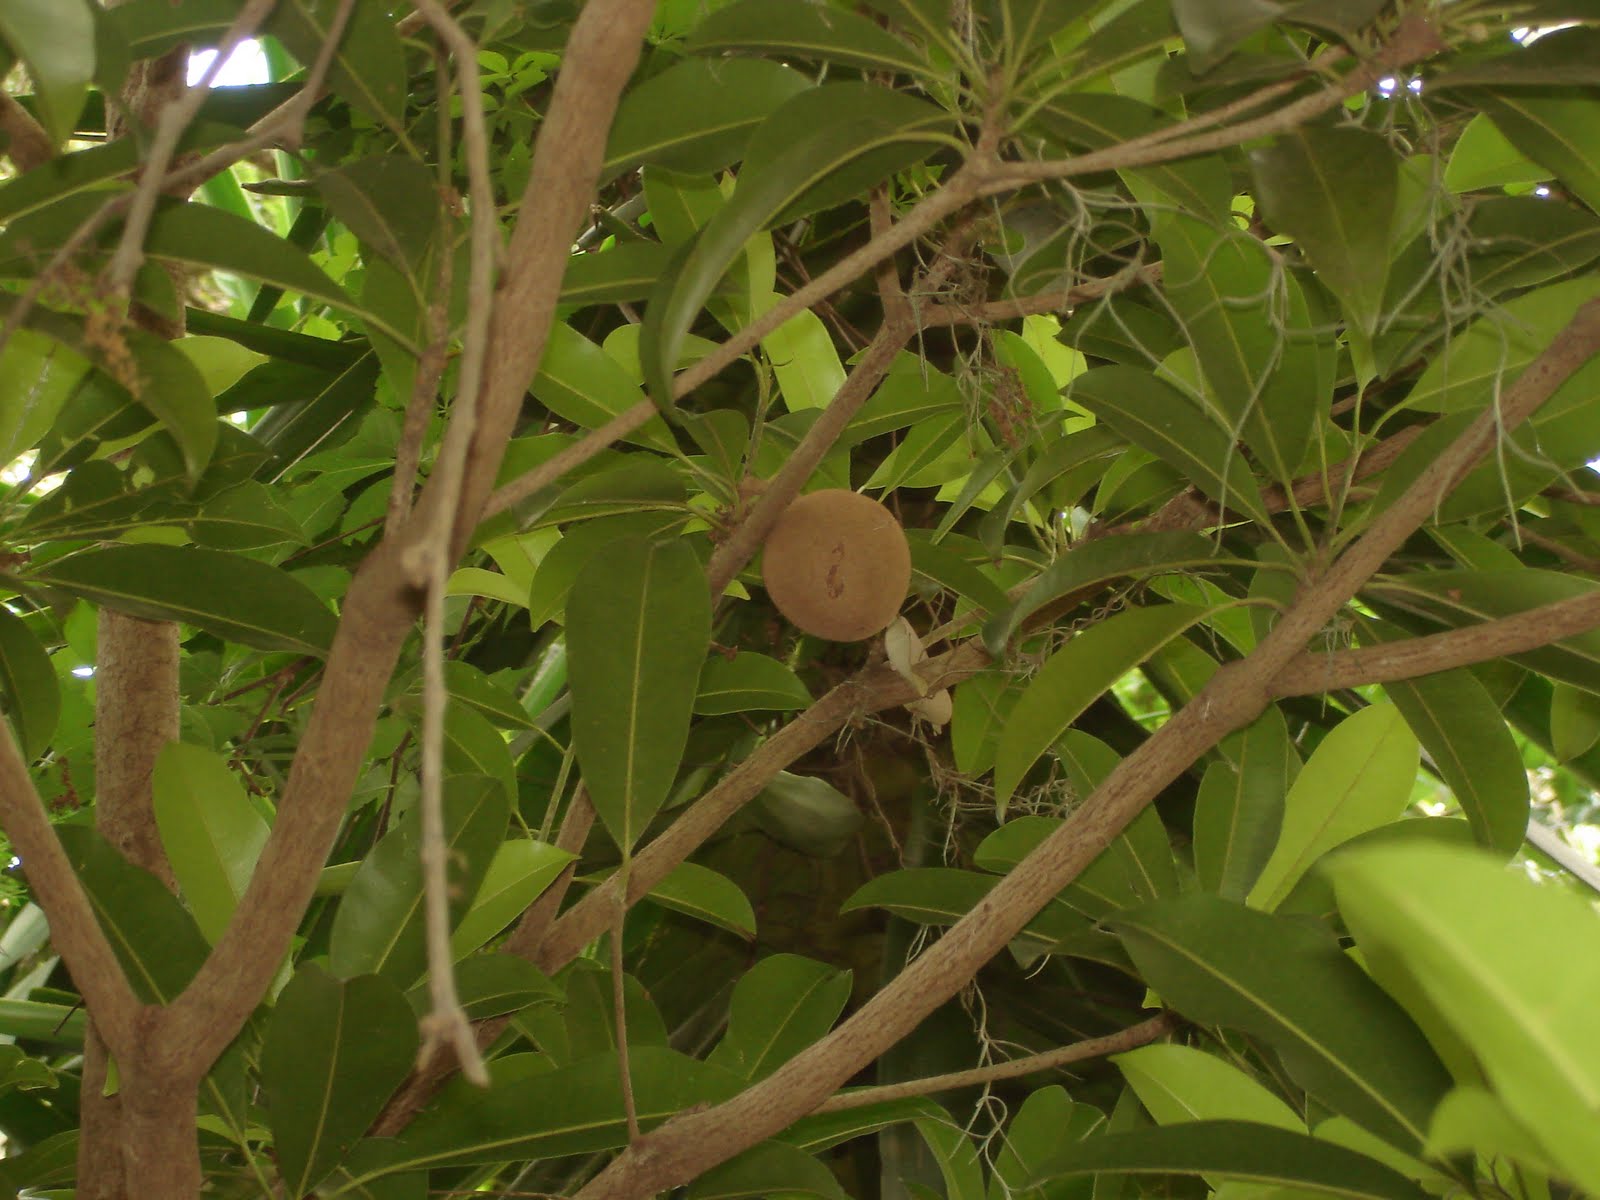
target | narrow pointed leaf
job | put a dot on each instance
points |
(226, 594)
(1073, 677)
(29, 690)
(702, 893)
(1239, 813)
(638, 626)
(793, 28)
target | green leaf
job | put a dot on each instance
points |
(1302, 188)
(549, 1113)
(780, 1006)
(702, 893)
(55, 38)
(796, 29)
(37, 375)
(390, 202)
(378, 927)
(1177, 1084)
(520, 870)
(368, 68)
(1246, 319)
(767, 1169)
(491, 985)
(1509, 964)
(1235, 1150)
(212, 834)
(943, 895)
(581, 382)
(1286, 982)
(1574, 722)
(156, 940)
(28, 686)
(638, 626)
(823, 145)
(1155, 416)
(225, 594)
(748, 682)
(1135, 869)
(1359, 778)
(626, 271)
(1239, 812)
(334, 1052)
(1558, 130)
(1466, 737)
(1484, 158)
(1135, 556)
(1073, 677)
(697, 115)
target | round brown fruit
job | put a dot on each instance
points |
(837, 565)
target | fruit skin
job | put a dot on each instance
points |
(837, 565)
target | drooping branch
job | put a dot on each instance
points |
(693, 1143)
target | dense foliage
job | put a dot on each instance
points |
(1230, 368)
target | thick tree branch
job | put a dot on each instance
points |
(693, 1143)
(27, 144)
(381, 604)
(1307, 674)
(74, 929)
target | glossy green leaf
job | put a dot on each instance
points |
(1246, 319)
(571, 1110)
(697, 115)
(156, 940)
(943, 895)
(491, 985)
(378, 928)
(748, 682)
(796, 29)
(1466, 737)
(1574, 721)
(1287, 982)
(704, 894)
(211, 832)
(627, 271)
(1235, 1150)
(766, 1169)
(1155, 416)
(28, 687)
(1484, 158)
(823, 145)
(368, 68)
(391, 203)
(1180, 1083)
(334, 1051)
(55, 38)
(1559, 130)
(638, 626)
(37, 375)
(226, 594)
(1359, 778)
(1134, 555)
(780, 1006)
(1556, 58)
(1072, 678)
(581, 382)
(1508, 963)
(1302, 188)
(1239, 812)
(519, 871)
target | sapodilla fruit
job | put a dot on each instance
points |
(837, 565)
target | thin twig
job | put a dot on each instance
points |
(430, 554)
(619, 1003)
(1141, 1034)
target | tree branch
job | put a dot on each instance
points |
(27, 144)
(382, 604)
(1306, 674)
(692, 1143)
(1141, 1034)
(74, 929)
